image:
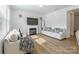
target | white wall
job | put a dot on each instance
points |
(17, 22)
(59, 18)
(56, 18)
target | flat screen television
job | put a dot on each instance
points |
(32, 21)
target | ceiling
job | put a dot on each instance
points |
(37, 9)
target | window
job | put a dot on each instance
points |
(2, 25)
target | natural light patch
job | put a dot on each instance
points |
(35, 37)
(40, 41)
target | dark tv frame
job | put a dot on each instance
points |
(30, 21)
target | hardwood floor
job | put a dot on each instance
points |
(53, 46)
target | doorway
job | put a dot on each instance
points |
(73, 18)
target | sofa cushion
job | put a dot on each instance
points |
(12, 36)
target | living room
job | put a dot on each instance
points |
(16, 17)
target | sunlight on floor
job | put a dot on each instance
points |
(35, 36)
(40, 41)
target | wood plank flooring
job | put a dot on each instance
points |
(55, 46)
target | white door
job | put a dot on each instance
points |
(72, 23)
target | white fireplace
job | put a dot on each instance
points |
(32, 26)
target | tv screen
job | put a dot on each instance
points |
(32, 21)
